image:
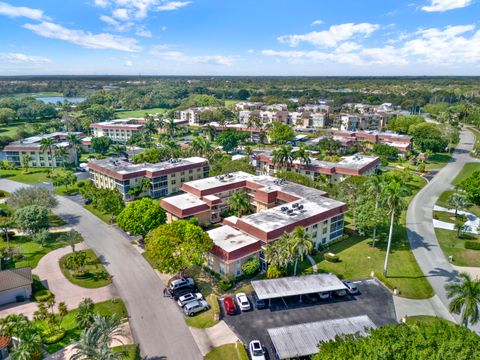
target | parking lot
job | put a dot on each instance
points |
(374, 300)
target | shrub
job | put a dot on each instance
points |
(384, 280)
(43, 295)
(250, 267)
(330, 257)
(52, 335)
(472, 245)
(225, 284)
(274, 272)
(37, 285)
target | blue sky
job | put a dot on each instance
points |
(240, 37)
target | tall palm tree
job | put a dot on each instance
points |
(29, 347)
(283, 156)
(374, 186)
(151, 126)
(465, 297)
(253, 123)
(171, 127)
(300, 245)
(26, 162)
(239, 202)
(48, 145)
(197, 145)
(393, 199)
(119, 149)
(210, 132)
(302, 155)
(75, 143)
(85, 313)
(61, 153)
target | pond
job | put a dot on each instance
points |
(55, 99)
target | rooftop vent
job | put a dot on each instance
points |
(295, 205)
(290, 211)
(300, 207)
(284, 208)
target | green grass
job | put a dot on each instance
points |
(444, 216)
(132, 351)
(231, 102)
(476, 147)
(101, 215)
(358, 259)
(451, 245)
(425, 319)
(36, 94)
(228, 351)
(437, 161)
(54, 220)
(467, 170)
(35, 175)
(110, 307)
(96, 277)
(33, 251)
(138, 113)
(205, 319)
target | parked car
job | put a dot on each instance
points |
(229, 305)
(187, 298)
(196, 306)
(259, 304)
(324, 295)
(80, 169)
(340, 293)
(177, 293)
(243, 302)
(175, 284)
(309, 298)
(256, 351)
(351, 288)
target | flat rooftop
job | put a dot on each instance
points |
(123, 167)
(356, 162)
(129, 122)
(217, 181)
(230, 239)
(184, 201)
(296, 285)
(34, 141)
(304, 339)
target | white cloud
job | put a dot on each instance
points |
(101, 3)
(121, 14)
(250, 51)
(16, 58)
(316, 22)
(332, 36)
(84, 38)
(20, 11)
(141, 31)
(163, 28)
(178, 56)
(118, 26)
(128, 63)
(444, 5)
(173, 5)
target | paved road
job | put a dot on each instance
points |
(420, 229)
(157, 324)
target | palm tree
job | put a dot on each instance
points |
(393, 199)
(61, 153)
(458, 201)
(28, 347)
(465, 297)
(374, 185)
(171, 127)
(252, 123)
(300, 244)
(26, 162)
(85, 313)
(210, 132)
(48, 145)
(303, 156)
(75, 143)
(197, 145)
(151, 126)
(119, 149)
(283, 156)
(239, 202)
(71, 237)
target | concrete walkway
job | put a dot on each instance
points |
(472, 222)
(411, 307)
(473, 271)
(314, 264)
(210, 338)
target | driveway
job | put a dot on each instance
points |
(421, 233)
(156, 323)
(374, 301)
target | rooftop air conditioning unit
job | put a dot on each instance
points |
(284, 208)
(295, 205)
(300, 207)
(289, 211)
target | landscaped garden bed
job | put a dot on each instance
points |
(83, 268)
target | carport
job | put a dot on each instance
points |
(303, 339)
(296, 286)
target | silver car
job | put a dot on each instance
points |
(196, 306)
(187, 298)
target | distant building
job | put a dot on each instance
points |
(16, 151)
(248, 105)
(192, 115)
(120, 130)
(403, 143)
(163, 178)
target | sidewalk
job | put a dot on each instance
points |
(210, 338)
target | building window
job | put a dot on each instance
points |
(190, 171)
(173, 182)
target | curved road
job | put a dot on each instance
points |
(156, 322)
(421, 233)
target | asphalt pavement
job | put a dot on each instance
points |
(157, 325)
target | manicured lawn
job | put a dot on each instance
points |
(54, 220)
(228, 351)
(437, 161)
(231, 102)
(425, 319)
(358, 259)
(131, 350)
(467, 170)
(32, 250)
(205, 319)
(33, 175)
(476, 147)
(451, 245)
(96, 275)
(443, 199)
(110, 307)
(444, 216)
(138, 113)
(101, 215)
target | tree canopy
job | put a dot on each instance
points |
(429, 136)
(471, 185)
(403, 123)
(27, 196)
(32, 219)
(280, 133)
(141, 216)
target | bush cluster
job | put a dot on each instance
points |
(472, 245)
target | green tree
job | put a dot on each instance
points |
(428, 136)
(229, 139)
(393, 199)
(71, 238)
(226, 165)
(403, 123)
(471, 185)
(141, 216)
(465, 296)
(458, 201)
(350, 191)
(85, 313)
(31, 219)
(280, 133)
(239, 202)
(302, 155)
(385, 152)
(48, 145)
(75, 144)
(99, 112)
(41, 237)
(243, 94)
(6, 116)
(283, 156)
(101, 144)
(26, 159)
(76, 261)
(250, 267)
(177, 246)
(300, 245)
(27, 196)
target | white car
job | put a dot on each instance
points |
(243, 302)
(187, 298)
(255, 349)
(324, 295)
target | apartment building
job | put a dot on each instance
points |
(31, 148)
(163, 178)
(119, 130)
(248, 105)
(403, 143)
(278, 206)
(192, 115)
(355, 165)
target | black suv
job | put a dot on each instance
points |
(259, 304)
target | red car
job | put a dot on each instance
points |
(229, 305)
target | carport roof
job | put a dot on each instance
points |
(303, 339)
(296, 285)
